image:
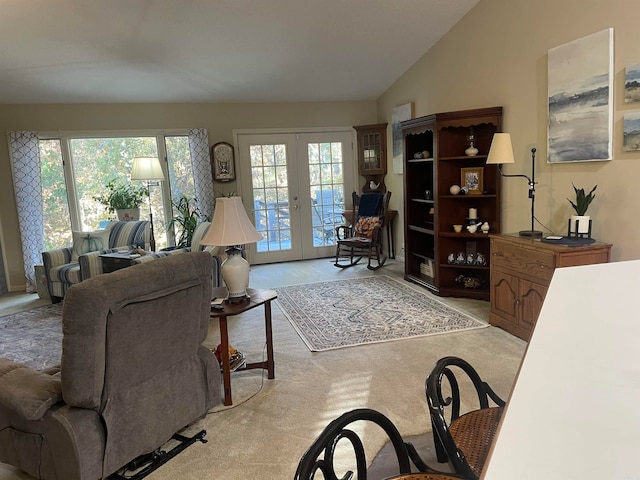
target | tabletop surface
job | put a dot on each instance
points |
(573, 411)
(256, 297)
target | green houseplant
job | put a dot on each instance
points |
(583, 200)
(187, 220)
(580, 222)
(122, 196)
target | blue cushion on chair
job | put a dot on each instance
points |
(369, 204)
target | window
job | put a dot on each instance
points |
(74, 170)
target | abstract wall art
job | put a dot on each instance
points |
(580, 99)
(631, 134)
(632, 84)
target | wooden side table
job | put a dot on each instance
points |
(257, 297)
(521, 271)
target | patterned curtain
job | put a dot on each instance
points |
(25, 163)
(201, 164)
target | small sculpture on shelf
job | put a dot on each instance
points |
(472, 151)
(468, 281)
(472, 228)
(485, 227)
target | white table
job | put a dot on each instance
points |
(574, 411)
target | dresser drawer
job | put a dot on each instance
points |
(538, 264)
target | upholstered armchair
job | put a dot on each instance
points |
(133, 373)
(217, 253)
(70, 265)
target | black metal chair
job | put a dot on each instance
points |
(364, 237)
(463, 440)
(320, 456)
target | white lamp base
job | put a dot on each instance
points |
(235, 273)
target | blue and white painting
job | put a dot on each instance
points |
(631, 136)
(581, 99)
(632, 84)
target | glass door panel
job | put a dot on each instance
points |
(297, 191)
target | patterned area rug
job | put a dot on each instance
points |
(33, 337)
(344, 313)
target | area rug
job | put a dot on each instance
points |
(345, 313)
(33, 337)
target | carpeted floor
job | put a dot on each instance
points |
(33, 337)
(272, 422)
(358, 311)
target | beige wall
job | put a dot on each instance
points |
(497, 55)
(218, 119)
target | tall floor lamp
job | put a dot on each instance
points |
(232, 228)
(501, 152)
(148, 168)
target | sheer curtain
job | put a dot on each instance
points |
(201, 164)
(25, 168)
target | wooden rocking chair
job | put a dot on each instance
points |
(364, 236)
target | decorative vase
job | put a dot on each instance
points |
(128, 214)
(472, 151)
(579, 224)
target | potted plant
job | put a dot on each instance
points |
(187, 219)
(580, 222)
(123, 199)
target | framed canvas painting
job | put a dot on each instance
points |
(631, 134)
(632, 84)
(399, 114)
(580, 100)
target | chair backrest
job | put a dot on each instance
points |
(132, 350)
(370, 204)
(198, 234)
(126, 234)
(319, 456)
(445, 405)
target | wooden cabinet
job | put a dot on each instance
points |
(521, 270)
(434, 160)
(372, 155)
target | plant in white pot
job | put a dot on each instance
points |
(579, 223)
(123, 199)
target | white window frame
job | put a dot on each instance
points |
(65, 138)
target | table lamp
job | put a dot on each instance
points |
(232, 228)
(501, 152)
(148, 168)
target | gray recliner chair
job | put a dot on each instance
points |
(133, 373)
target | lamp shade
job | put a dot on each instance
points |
(146, 168)
(501, 150)
(230, 224)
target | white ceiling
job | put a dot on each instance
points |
(81, 51)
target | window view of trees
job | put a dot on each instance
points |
(96, 161)
(57, 223)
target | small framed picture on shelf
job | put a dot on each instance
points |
(222, 158)
(471, 177)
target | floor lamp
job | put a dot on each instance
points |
(232, 228)
(501, 152)
(148, 168)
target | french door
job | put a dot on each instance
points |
(294, 186)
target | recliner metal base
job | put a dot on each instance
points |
(149, 462)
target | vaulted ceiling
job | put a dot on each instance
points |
(86, 51)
